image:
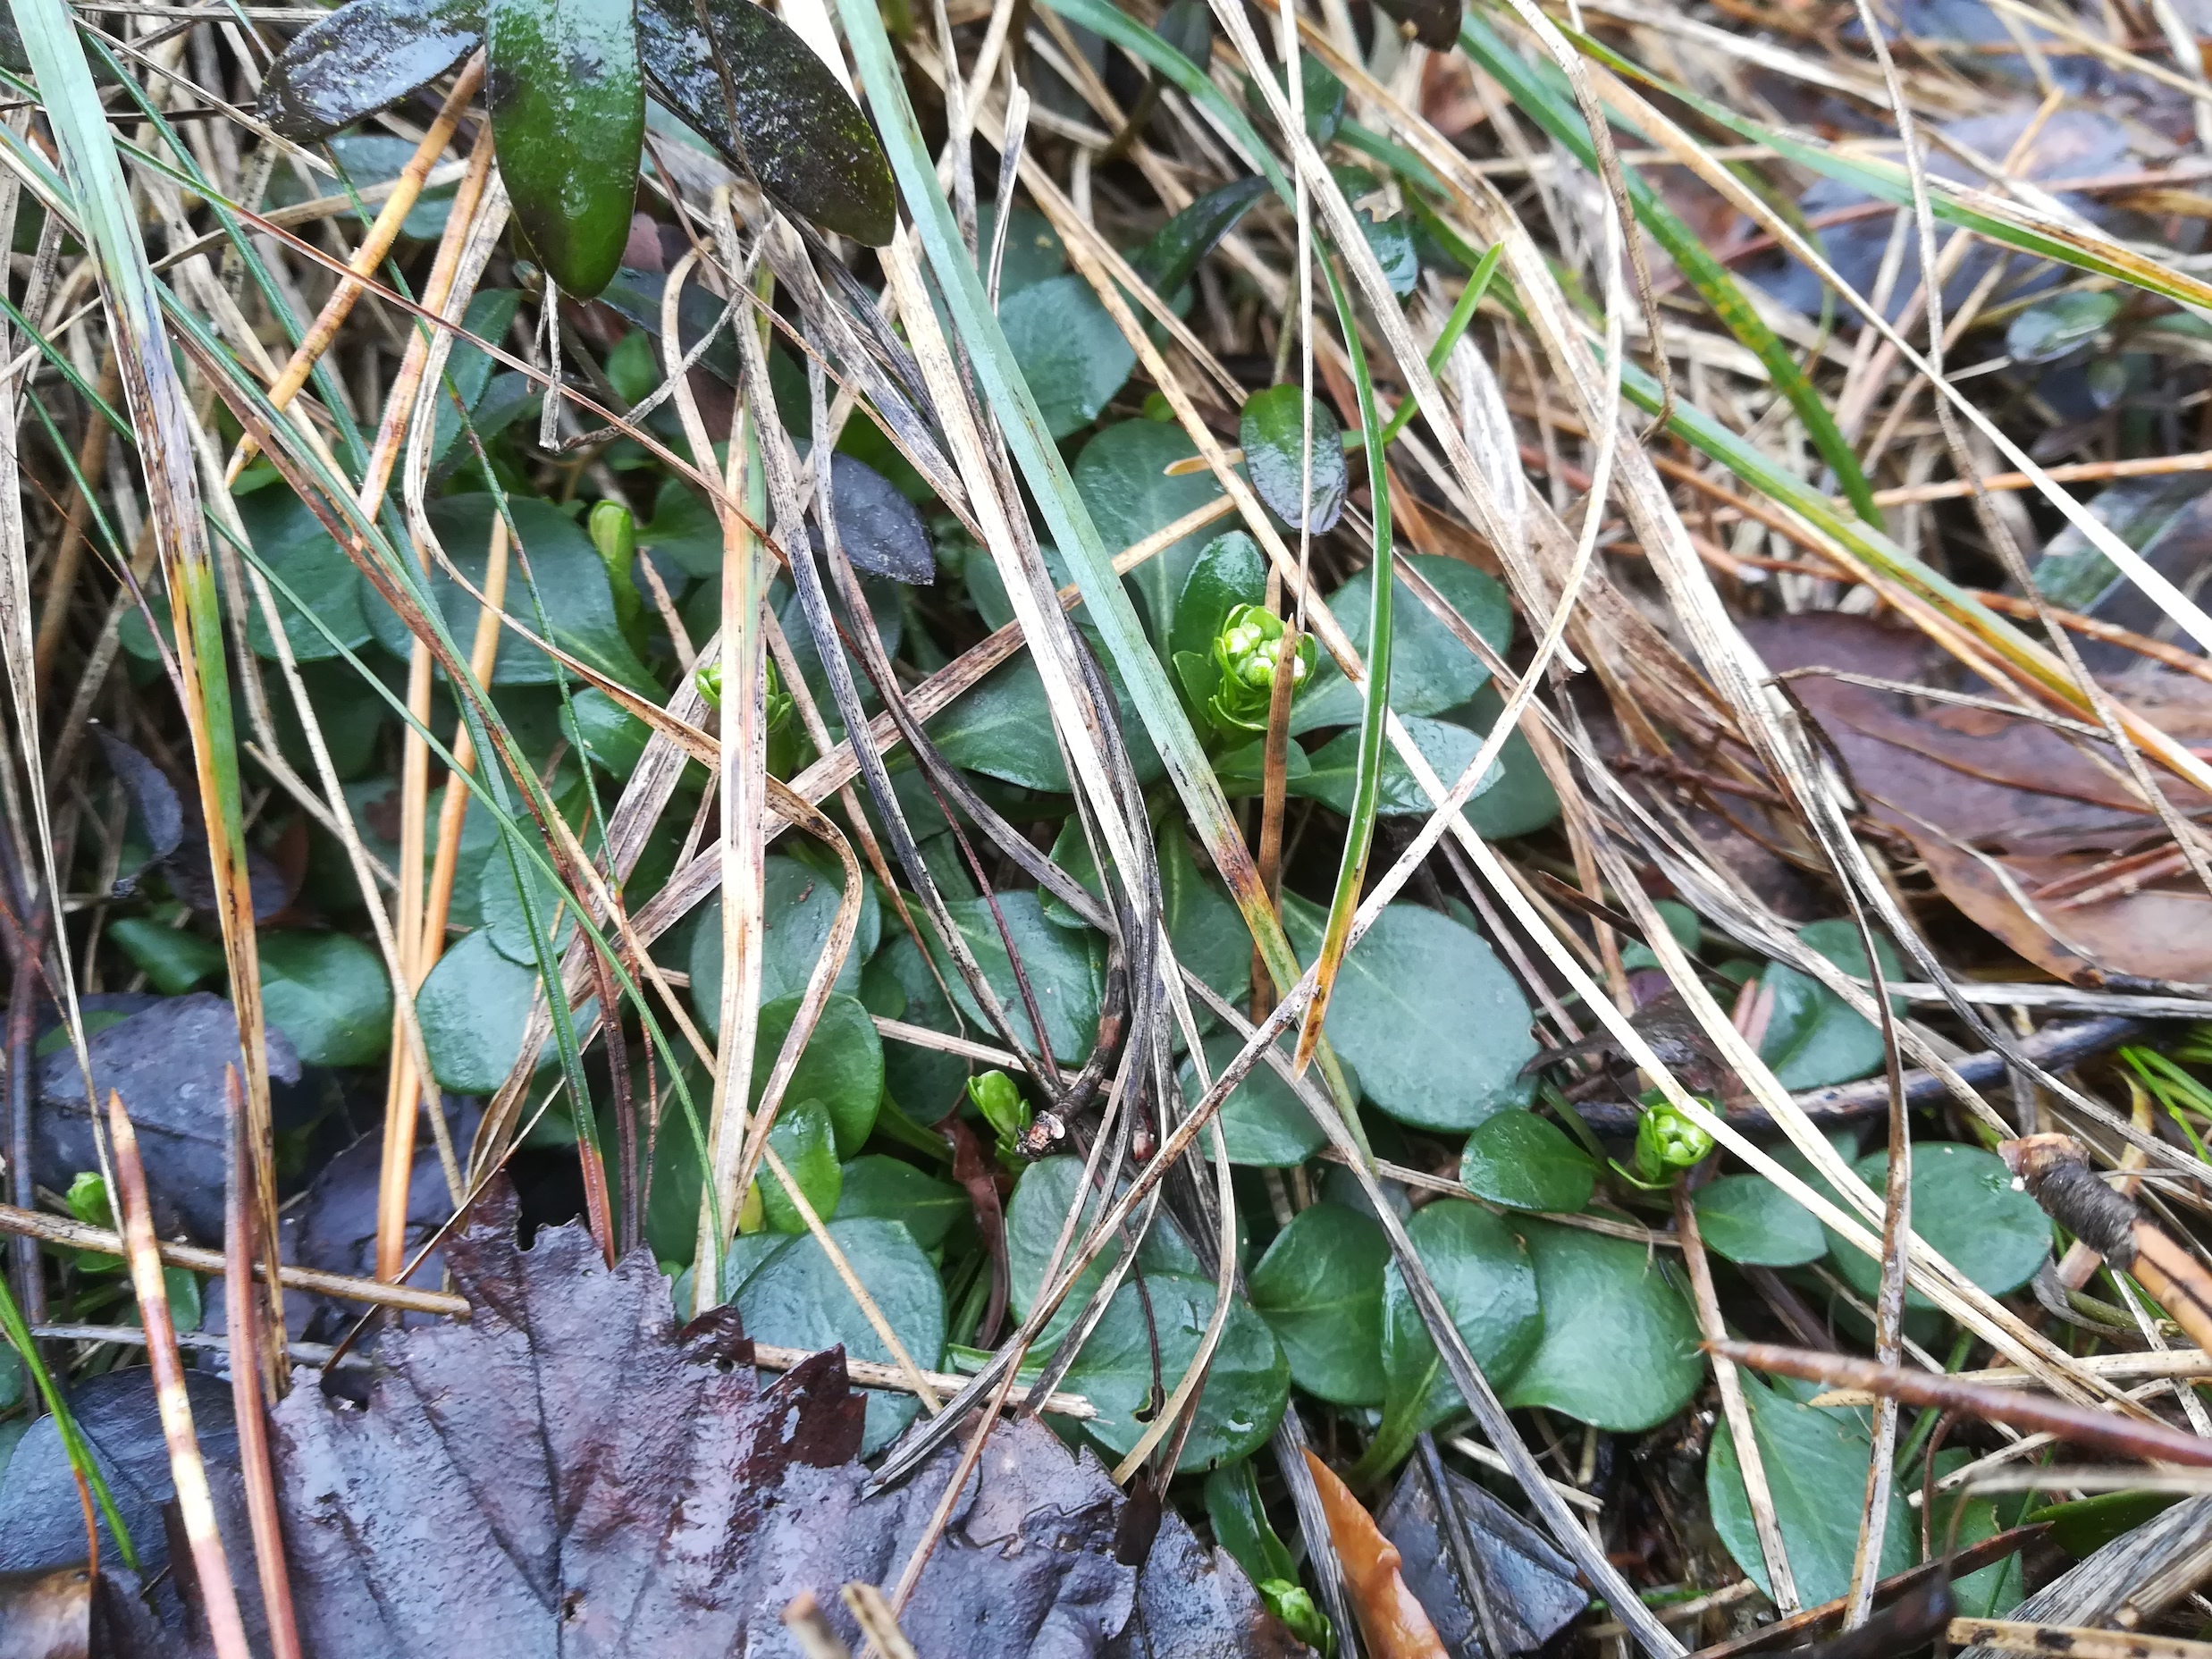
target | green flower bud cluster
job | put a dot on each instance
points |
(1245, 652)
(708, 677)
(1666, 1142)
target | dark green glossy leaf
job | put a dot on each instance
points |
(1521, 801)
(1247, 1386)
(571, 582)
(841, 1065)
(2059, 326)
(2086, 1525)
(1967, 1208)
(473, 1008)
(1003, 728)
(803, 1137)
(1323, 99)
(878, 527)
(1747, 1218)
(801, 904)
(1320, 1289)
(1273, 431)
(499, 903)
(1208, 935)
(1619, 1348)
(612, 739)
(1229, 571)
(1262, 1122)
(567, 103)
(363, 57)
(1682, 925)
(329, 994)
(1814, 1037)
(896, 984)
(1434, 1023)
(1332, 775)
(1035, 1214)
(1069, 350)
(1123, 478)
(1391, 240)
(792, 1297)
(1034, 252)
(893, 1189)
(1481, 1272)
(1815, 1460)
(1430, 669)
(1244, 771)
(1527, 1162)
(173, 959)
(1175, 251)
(1241, 1525)
(299, 554)
(1066, 969)
(797, 131)
(1966, 1519)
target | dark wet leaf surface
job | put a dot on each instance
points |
(1176, 247)
(363, 57)
(796, 130)
(1273, 431)
(177, 835)
(46, 1525)
(671, 1505)
(167, 1062)
(1530, 1586)
(879, 529)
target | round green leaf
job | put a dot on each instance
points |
(1434, 1023)
(890, 1189)
(1481, 1273)
(897, 984)
(803, 1137)
(1320, 1289)
(1068, 348)
(329, 994)
(567, 104)
(1449, 750)
(2053, 328)
(793, 1298)
(1815, 1460)
(1430, 669)
(1966, 1208)
(841, 1065)
(1814, 1037)
(499, 902)
(1747, 1218)
(173, 959)
(1273, 431)
(1520, 800)
(1247, 1386)
(801, 904)
(300, 556)
(1527, 1162)
(1262, 1122)
(1035, 1214)
(1123, 478)
(1064, 968)
(473, 1009)
(1619, 1348)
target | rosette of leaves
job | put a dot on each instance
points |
(566, 81)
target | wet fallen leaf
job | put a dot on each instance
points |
(1529, 1585)
(362, 57)
(46, 1615)
(1391, 1618)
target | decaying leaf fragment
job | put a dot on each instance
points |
(571, 1472)
(1392, 1618)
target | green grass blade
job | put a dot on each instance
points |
(1351, 869)
(17, 1329)
(1711, 279)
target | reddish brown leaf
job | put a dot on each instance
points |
(1391, 1620)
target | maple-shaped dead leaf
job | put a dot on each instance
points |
(573, 1473)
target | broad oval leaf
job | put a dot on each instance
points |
(473, 1008)
(1042, 1198)
(1121, 476)
(792, 1297)
(798, 132)
(1229, 571)
(1814, 1037)
(301, 555)
(571, 584)
(1168, 261)
(1967, 1208)
(1527, 1162)
(1521, 801)
(800, 903)
(806, 1142)
(499, 903)
(1619, 1348)
(1449, 749)
(1748, 1219)
(364, 57)
(1247, 1386)
(1815, 1460)
(893, 1189)
(1431, 1020)
(329, 994)
(1484, 1275)
(1430, 669)
(1068, 348)
(1320, 1289)
(1262, 1122)
(2056, 327)
(880, 530)
(567, 103)
(1273, 431)
(841, 1067)
(1066, 969)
